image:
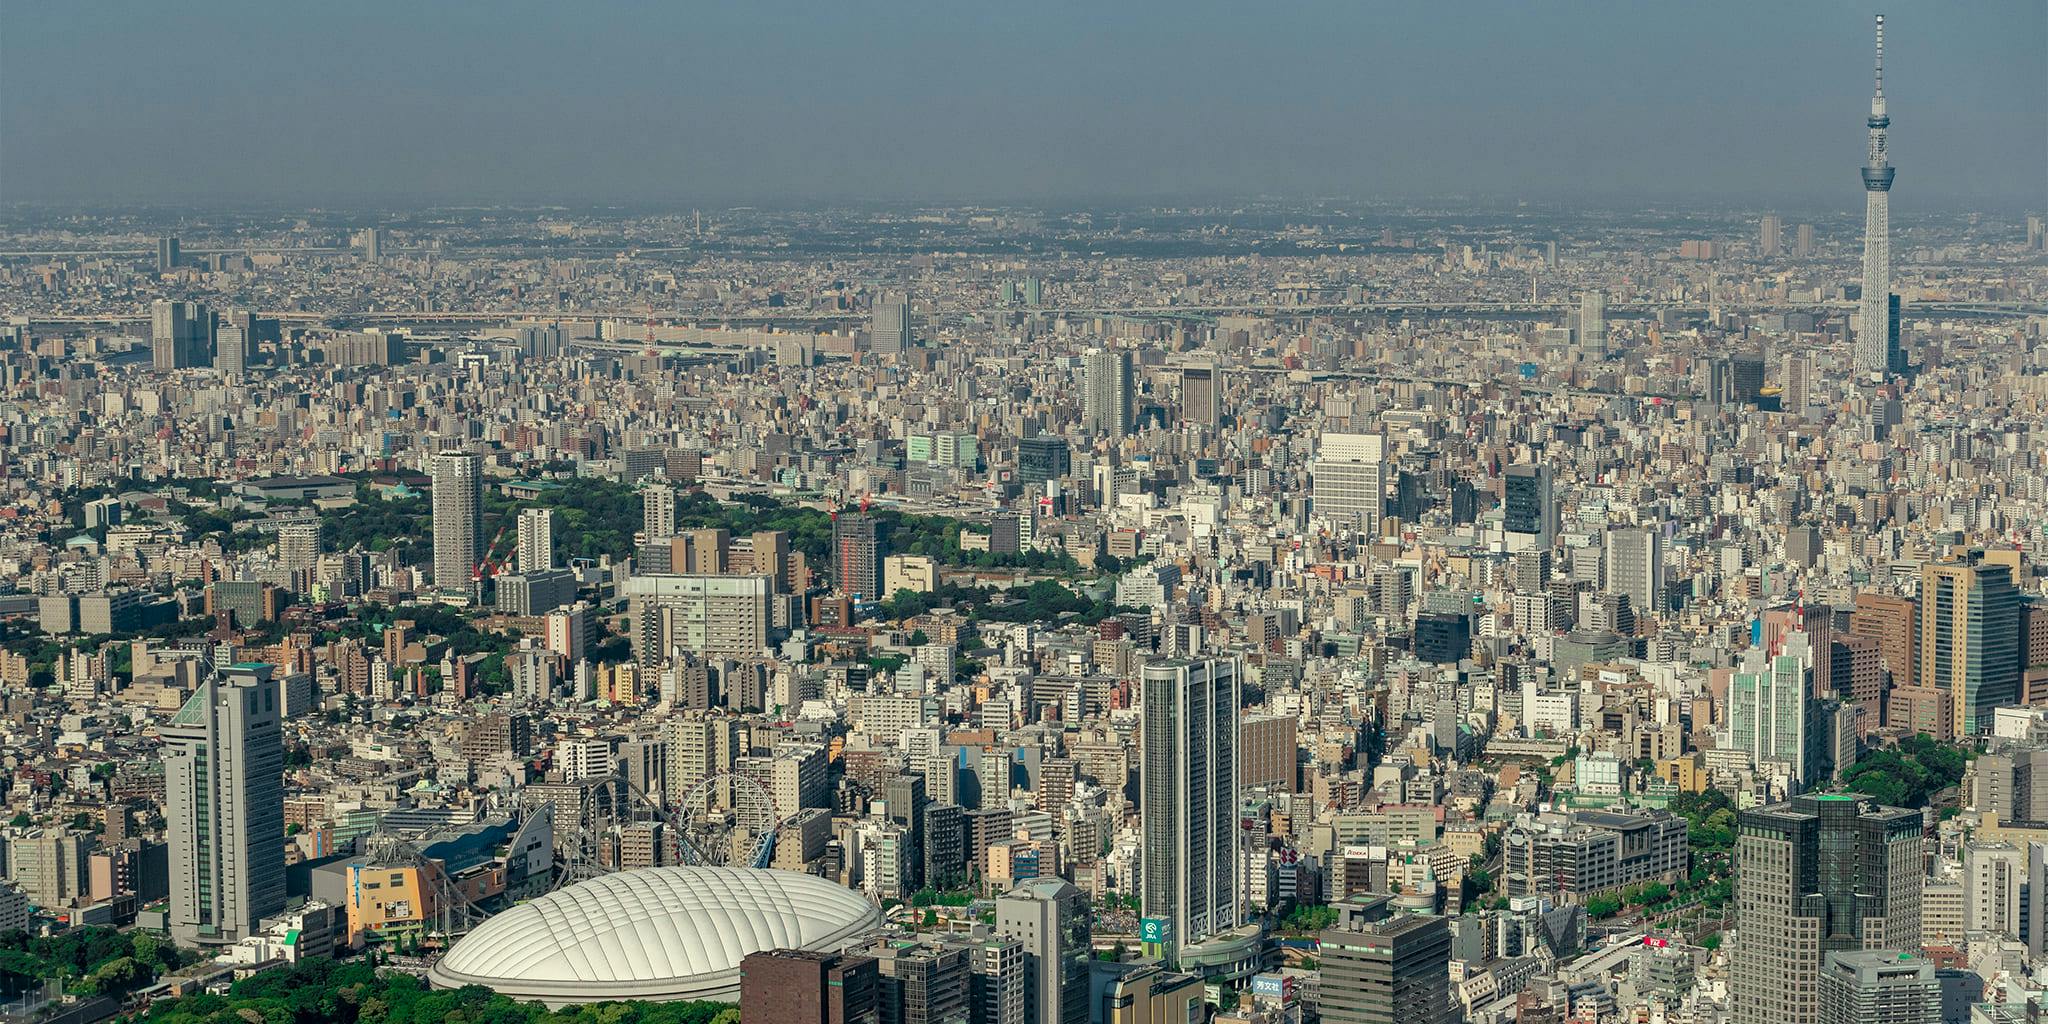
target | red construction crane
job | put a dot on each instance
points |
(488, 565)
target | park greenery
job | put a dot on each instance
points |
(1909, 774)
(85, 961)
(329, 992)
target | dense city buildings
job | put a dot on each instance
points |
(1197, 610)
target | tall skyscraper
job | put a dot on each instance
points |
(1893, 623)
(1201, 394)
(1795, 375)
(536, 551)
(180, 335)
(1817, 875)
(1528, 508)
(458, 518)
(1771, 710)
(1877, 337)
(1108, 396)
(1350, 480)
(224, 803)
(658, 512)
(1879, 986)
(889, 328)
(1635, 566)
(166, 253)
(1052, 919)
(1593, 322)
(1379, 967)
(857, 554)
(1189, 730)
(1771, 234)
(230, 351)
(1802, 243)
(1970, 639)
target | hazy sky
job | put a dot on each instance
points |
(417, 102)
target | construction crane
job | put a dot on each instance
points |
(489, 565)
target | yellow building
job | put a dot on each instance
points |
(1149, 994)
(1688, 772)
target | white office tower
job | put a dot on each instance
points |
(1770, 711)
(536, 551)
(1107, 397)
(458, 519)
(1593, 322)
(224, 806)
(1349, 488)
(1189, 723)
(1635, 566)
(1876, 332)
(231, 351)
(889, 329)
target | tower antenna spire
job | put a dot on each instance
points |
(1880, 55)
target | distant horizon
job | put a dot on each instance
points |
(238, 104)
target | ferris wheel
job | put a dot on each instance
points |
(726, 819)
(616, 825)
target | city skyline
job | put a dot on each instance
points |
(1601, 103)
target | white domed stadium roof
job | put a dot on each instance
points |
(653, 933)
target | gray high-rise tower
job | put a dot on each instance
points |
(224, 803)
(1107, 396)
(1189, 728)
(1877, 331)
(458, 518)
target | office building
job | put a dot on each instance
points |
(1051, 918)
(1771, 711)
(997, 980)
(1802, 245)
(458, 519)
(1970, 640)
(224, 804)
(1379, 967)
(1350, 481)
(1593, 322)
(1770, 234)
(1108, 397)
(167, 256)
(1879, 986)
(1269, 753)
(1188, 721)
(1877, 334)
(1201, 394)
(1635, 566)
(889, 328)
(1528, 508)
(802, 986)
(857, 555)
(698, 614)
(1817, 875)
(1573, 858)
(919, 983)
(180, 335)
(536, 550)
(1042, 458)
(1893, 624)
(231, 351)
